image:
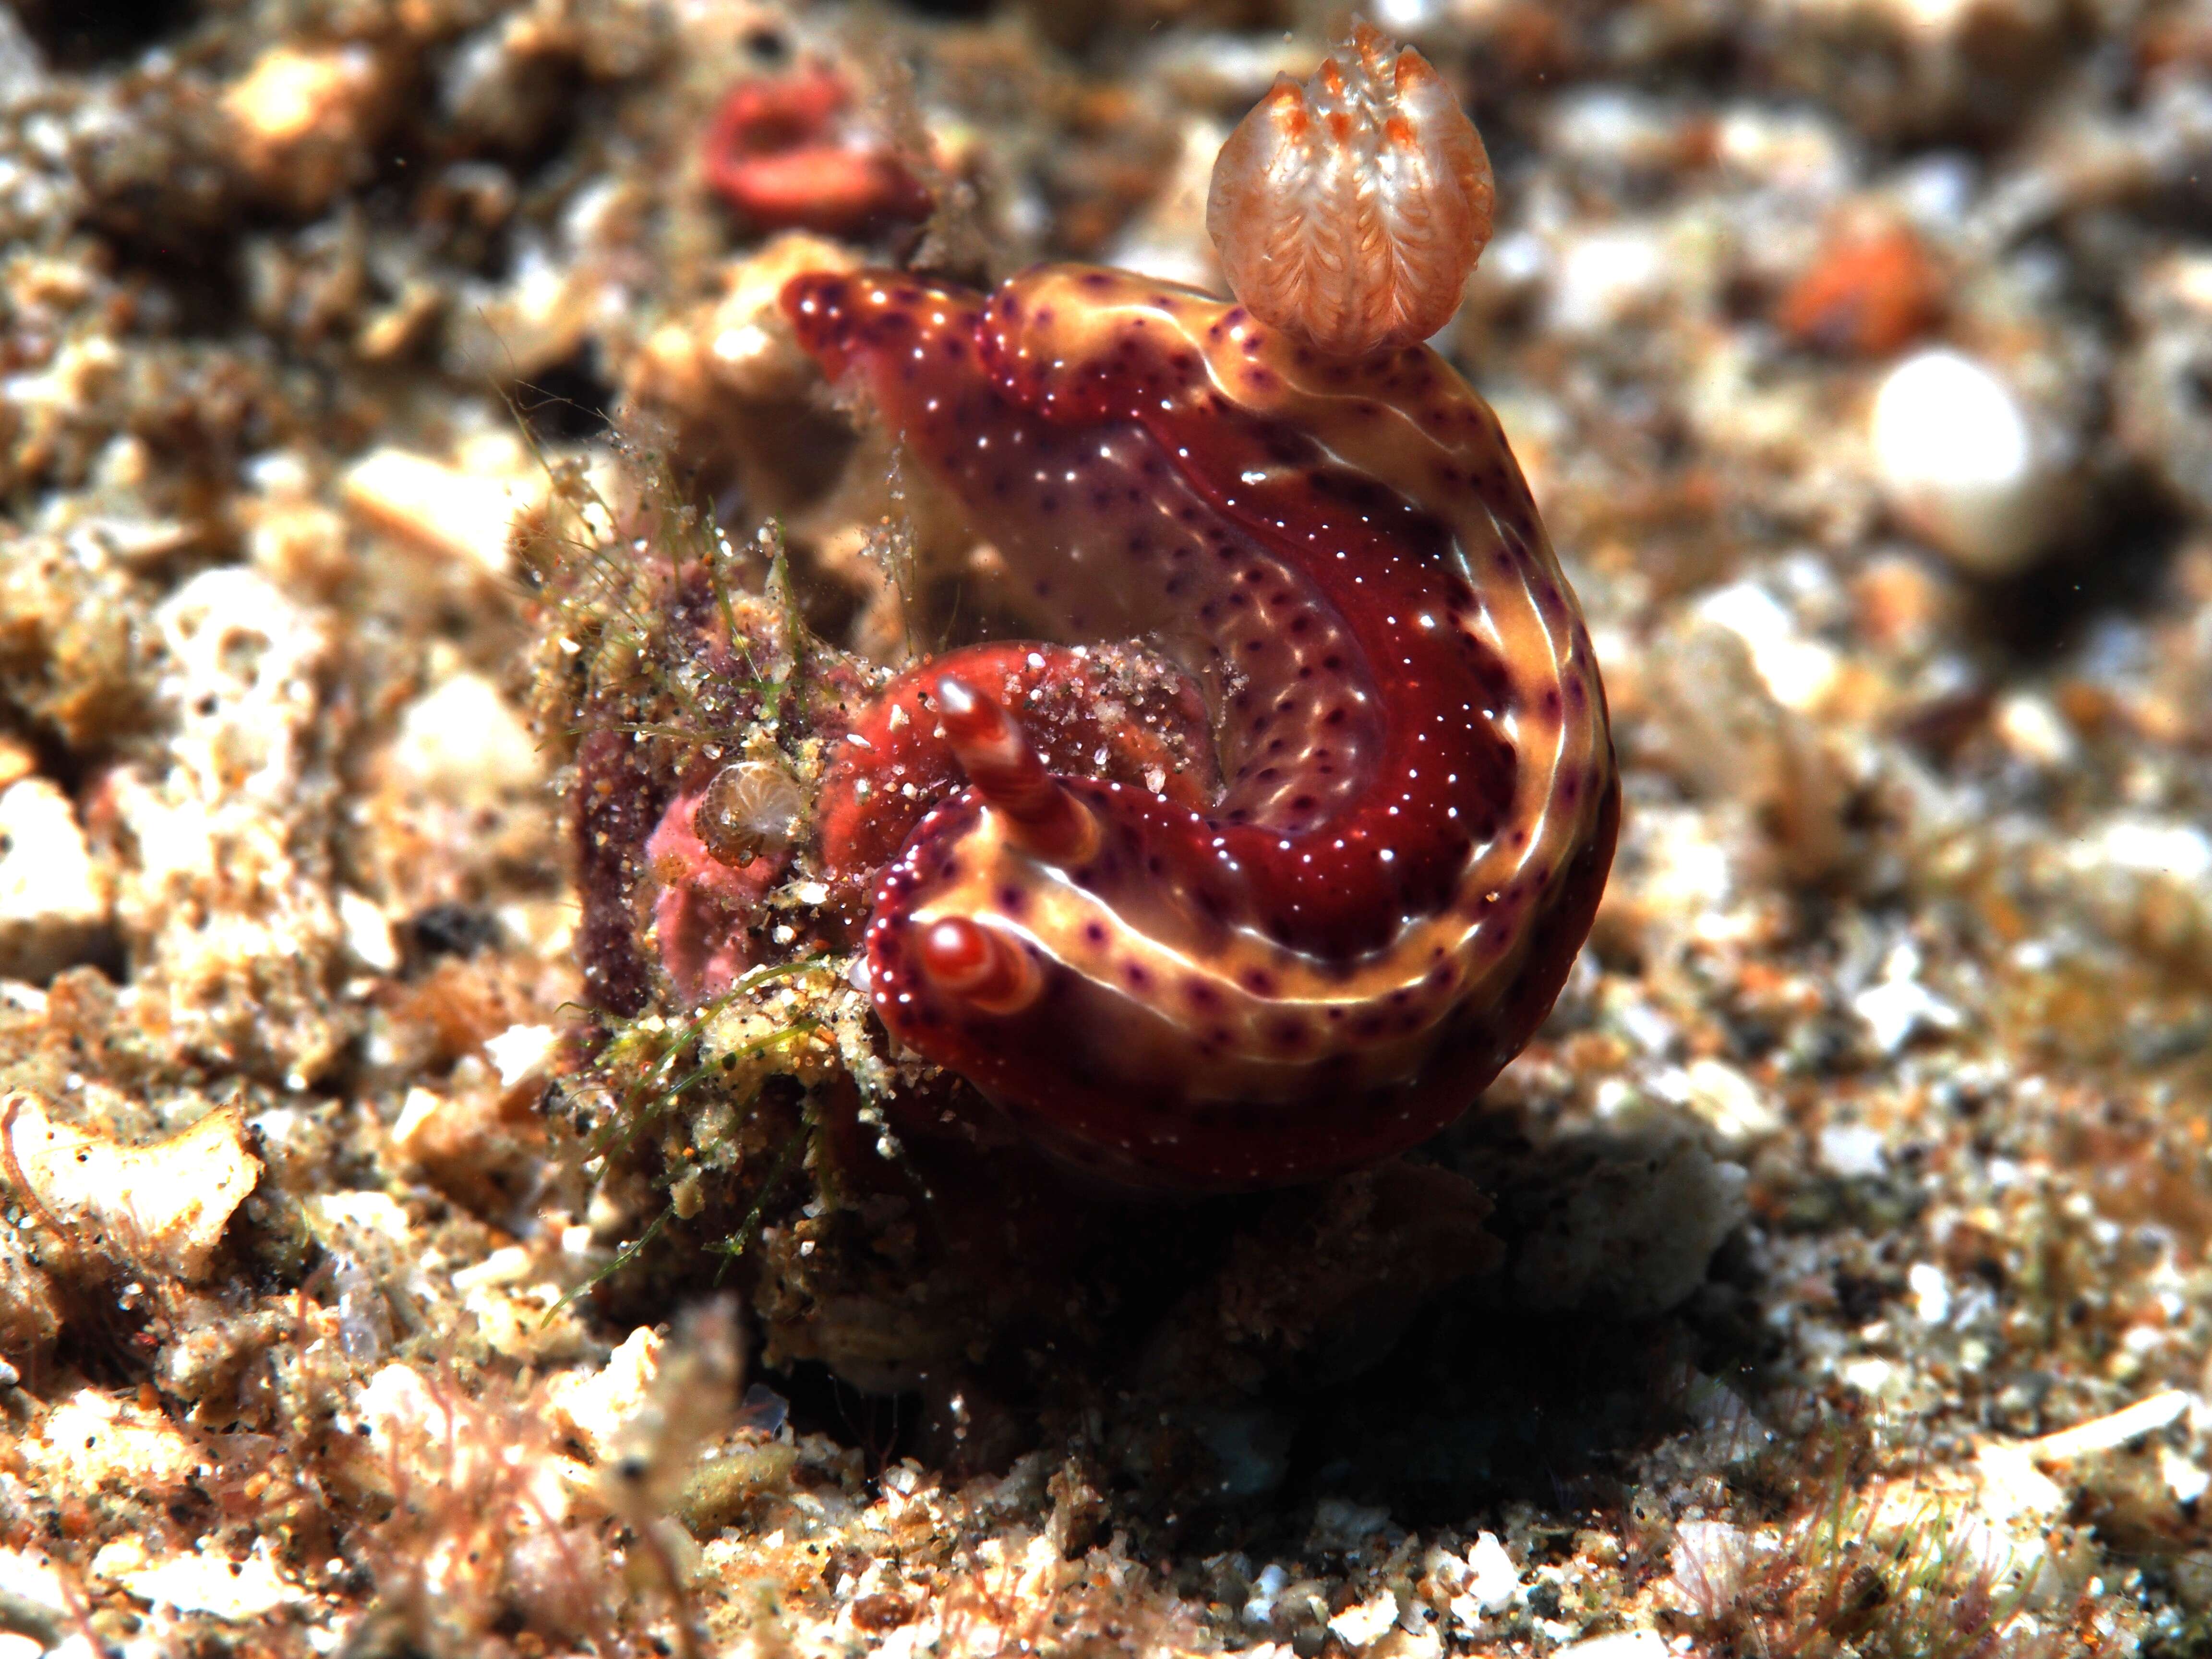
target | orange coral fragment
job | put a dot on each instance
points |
(1348, 212)
(1871, 293)
(774, 153)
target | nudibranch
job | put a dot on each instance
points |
(1277, 892)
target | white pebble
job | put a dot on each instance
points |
(53, 902)
(367, 933)
(1496, 1582)
(1851, 1150)
(1259, 1606)
(1366, 1624)
(2187, 1482)
(1729, 1104)
(463, 740)
(2031, 726)
(2148, 847)
(1956, 453)
(1603, 276)
(520, 1051)
(1931, 1292)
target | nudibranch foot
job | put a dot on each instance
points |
(1311, 942)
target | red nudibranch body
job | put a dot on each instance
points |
(1305, 939)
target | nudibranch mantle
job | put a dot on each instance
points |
(1319, 955)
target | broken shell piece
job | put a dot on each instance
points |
(1959, 456)
(202, 1581)
(53, 898)
(221, 897)
(590, 1408)
(95, 1441)
(463, 515)
(163, 1207)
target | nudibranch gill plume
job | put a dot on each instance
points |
(1348, 211)
(1290, 908)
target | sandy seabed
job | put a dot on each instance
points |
(1828, 1278)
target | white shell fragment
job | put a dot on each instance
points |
(164, 1206)
(1957, 457)
(464, 516)
(53, 897)
(463, 740)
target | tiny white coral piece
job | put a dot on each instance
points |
(1349, 211)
